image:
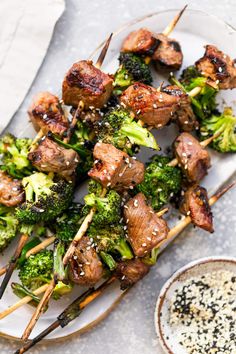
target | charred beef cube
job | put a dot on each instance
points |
(51, 157)
(130, 272)
(114, 168)
(196, 204)
(168, 55)
(84, 82)
(184, 116)
(85, 266)
(11, 191)
(192, 157)
(46, 114)
(218, 67)
(153, 107)
(141, 41)
(145, 229)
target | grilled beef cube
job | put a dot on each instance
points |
(46, 114)
(85, 266)
(168, 55)
(184, 116)
(192, 157)
(84, 82)
(11, 191)
(145, 229)
(114, 168)
(153, 107)
(130, 272)
(51, 157)
(141, 41)
(218, 67)
(196, 204)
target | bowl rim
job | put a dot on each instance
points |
(175, 277)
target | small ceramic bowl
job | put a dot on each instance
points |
(199, 267)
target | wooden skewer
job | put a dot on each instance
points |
(24, 238)
(44, 301)
(203, 143)
(91, 296)
(27, 299)
(173, 23)
(22, 302)
(12, 264)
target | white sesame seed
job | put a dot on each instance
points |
(144, 244)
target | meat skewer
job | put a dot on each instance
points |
(42, 289)
(165, 52)
(62, 319)
(57, 116)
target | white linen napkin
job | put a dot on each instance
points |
(26, 28)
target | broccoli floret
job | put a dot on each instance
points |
(161, 181)
(108, 209)
(204, 103)
(225, 126)
(45, 199)
(132, 69)
(8, 226)
(14, 153)
(69, 222)
(119, 128)
(110, 239)
(37, 270)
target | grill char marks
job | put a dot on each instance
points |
(46, 114)
(218, 67)
(196, 204)
(84, 82)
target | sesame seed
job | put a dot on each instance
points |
(144, 244)
(136, 203)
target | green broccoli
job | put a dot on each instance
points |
(225, 126)
(14, 153)
(69, 222)
(204, 103)
(161, 181)
(45, 199)
(119, 128)
(132, 69)
(110, 240)
(108, 209)
(8, 226)
(37, 270)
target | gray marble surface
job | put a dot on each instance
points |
(129, 328)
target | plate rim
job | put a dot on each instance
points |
(100, 318)
(171, 280)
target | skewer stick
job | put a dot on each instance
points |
(33, 250)
(70, 313)
(203, 143)
(187, 219)
(38, 136)
(103, 53)
(23, 301)
(44, 301)
(13, 262)
(93, 295)
(174, 22)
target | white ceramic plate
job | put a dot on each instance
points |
(195, 30)
(165, 333)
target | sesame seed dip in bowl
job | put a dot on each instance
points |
(196, 309)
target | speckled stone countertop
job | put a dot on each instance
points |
(129, 329)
